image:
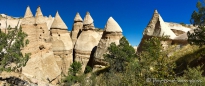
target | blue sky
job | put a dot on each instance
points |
(132, 15)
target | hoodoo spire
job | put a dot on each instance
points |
(58, 23)
(28, 13)
(88, 19)
(157, 27)
(38, 12)
(112, 26)
(78, 17)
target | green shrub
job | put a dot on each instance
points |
(73, 77)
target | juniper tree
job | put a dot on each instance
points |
(11, 44)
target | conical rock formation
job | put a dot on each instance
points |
(112, 26)
(77, 28)
(38, 12)
(28, 13)
(78, 18)
(112, 33)
(39, 18)
(28, 17)
(157, 27)
(58, 22)
(87, 19)
(42, 66)
(88, 22)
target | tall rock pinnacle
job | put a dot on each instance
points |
(87, 19)
(157, 27)
(38, 12)
(77, 28)
(58, 23)
(112, 26)
(78, 18)
(28, 13)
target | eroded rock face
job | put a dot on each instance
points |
(86, 43)
(51, 51)
(77, 28)
(112, 33)
(42, 66)
(36, 34)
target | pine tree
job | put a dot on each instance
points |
(198, 19)
(72, 77)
